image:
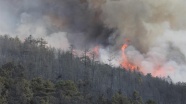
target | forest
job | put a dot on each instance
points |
(33, 73)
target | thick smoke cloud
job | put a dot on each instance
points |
(78, 18)
(156, 29)
(142, 20)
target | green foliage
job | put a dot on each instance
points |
(118, 98)
(23, 62)
(26, 90)
(3, 91)
(17, 89)
(69, 93)
(3, 100)
(37, 84)
(136, 98)
(40, 86)
(150, 102)
(44, 100)
(102, 100)
(13, 85)
(68, 88)
(7, 70)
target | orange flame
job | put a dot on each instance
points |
(125, 63)
(158, 70)
(161, 71)
(96, 51)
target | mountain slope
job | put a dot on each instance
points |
(95, 81)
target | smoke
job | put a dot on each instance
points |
(141, 20)
(155, 29)
(80, 19)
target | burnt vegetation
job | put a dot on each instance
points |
(33, 73)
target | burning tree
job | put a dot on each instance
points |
(125, 63)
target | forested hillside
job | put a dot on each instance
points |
(33, 73)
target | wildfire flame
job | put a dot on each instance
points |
(125, 63)
(96, 51)
(161, 71)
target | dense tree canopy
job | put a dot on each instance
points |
(33, 73)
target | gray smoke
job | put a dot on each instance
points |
(156, 29)
(80, 20)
